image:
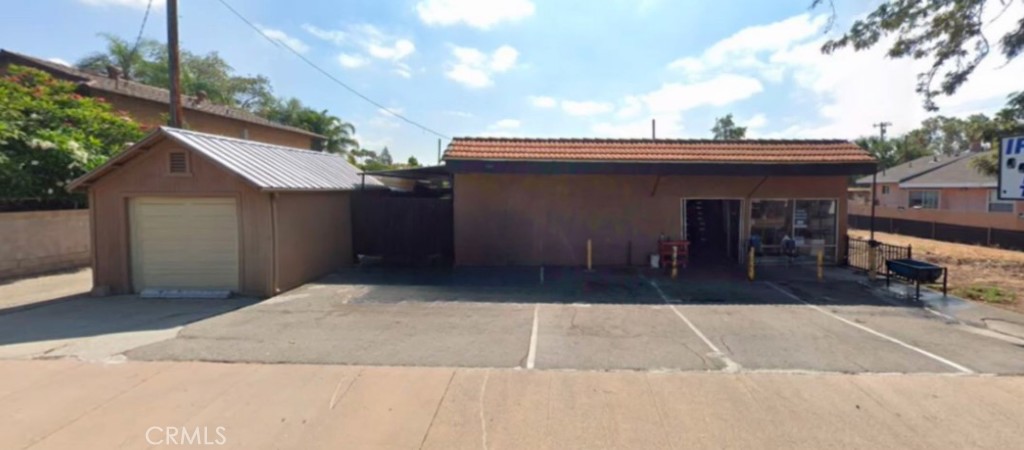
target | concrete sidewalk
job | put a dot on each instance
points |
(65, 404)
(20, 293)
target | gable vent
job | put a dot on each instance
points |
(178, 162)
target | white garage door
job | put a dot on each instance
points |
(184, 243)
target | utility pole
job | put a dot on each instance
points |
(882, 126)
(872, 243)
(177, 116)
(439, 151)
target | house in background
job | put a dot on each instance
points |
(943, 198)
(149, 105)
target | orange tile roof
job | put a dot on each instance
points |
(658, 150)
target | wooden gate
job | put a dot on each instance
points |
(403, 230)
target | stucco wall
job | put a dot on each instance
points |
(153, 114)
(314, 236)
(147, 175)
(894, 198)
(547, 219)
(42, 241)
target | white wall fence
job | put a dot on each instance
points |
(43, 241)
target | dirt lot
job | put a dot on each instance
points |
(992, 275)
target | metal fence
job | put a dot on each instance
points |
(857, 253)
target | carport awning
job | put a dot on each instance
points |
(415, 173)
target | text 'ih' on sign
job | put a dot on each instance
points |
(1011, 169)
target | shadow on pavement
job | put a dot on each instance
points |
(623, 285)
(78, 317)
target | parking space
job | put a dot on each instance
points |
(603, 320)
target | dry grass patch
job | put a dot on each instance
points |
(984, 274)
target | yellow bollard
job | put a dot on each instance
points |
(750, 264)
(590, 255)
(821, 265)
(675, 261)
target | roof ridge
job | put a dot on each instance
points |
(247, 141)
(647, 140)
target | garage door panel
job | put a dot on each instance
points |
(185, 243)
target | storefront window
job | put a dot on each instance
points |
(770, 222)
(810, 223)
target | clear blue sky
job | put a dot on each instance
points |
(554, 68)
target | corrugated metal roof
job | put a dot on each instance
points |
(268, 167)
(658, 150)
(273, 167)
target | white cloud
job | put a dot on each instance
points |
(474, 69)
(364, 43)
(668, 126)
(504, 58)
(632, 107)
(585, 108)
(394, 52)
(462, 114)
(838, 95)
(756, 122)
(718, 91)
(283, 38)
(506, 124)
(475, 13)
(745, 49)
(403, 71)
(337, 37)
(59, 61)
(541, 101)
(138, 4)
(352, 61)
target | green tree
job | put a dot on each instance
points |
(125, 56)
(726, 129)
(340, 135)
(413, 162)
(216, 79)
(209, 73)
(385, 157)
(50, 135)
(946, 32)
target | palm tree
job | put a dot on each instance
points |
(340, 134)
(121, 54)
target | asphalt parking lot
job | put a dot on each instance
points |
(605, 320)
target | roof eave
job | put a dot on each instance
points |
(86, 180)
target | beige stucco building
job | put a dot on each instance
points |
(188, 210)
(538, 202)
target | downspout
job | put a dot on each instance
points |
(274, 270)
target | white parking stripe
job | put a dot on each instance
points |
(924, 352)
(730, 365)
(531, 357)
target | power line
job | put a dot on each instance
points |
(142, 28)
(328, 74)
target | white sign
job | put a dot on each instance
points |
(1011, 169)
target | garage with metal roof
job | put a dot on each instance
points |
(187, 212)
